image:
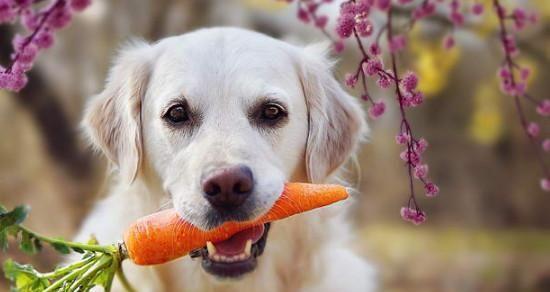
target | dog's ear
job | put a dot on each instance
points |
(112, 120)
(336, 119)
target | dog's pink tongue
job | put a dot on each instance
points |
(235, 244)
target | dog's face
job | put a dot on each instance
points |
(223, 118)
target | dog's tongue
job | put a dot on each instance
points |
(235, 244)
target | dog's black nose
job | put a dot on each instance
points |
(228, 187)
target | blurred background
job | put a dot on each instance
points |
(489, 230)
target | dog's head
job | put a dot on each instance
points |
(222, 118)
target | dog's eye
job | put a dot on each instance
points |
(177, 114)
(272, 112)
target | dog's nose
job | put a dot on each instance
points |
(228, 187)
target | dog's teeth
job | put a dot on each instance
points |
(211, 248)
(216, 257)
(248, 248)
(242, 257)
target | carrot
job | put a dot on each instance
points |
(164, 236)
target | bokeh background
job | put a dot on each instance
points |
(489, 230)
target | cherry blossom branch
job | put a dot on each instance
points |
(354, 22)
(40, 23)
(516, 88)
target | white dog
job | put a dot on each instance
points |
(215, 122)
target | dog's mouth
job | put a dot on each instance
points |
(235, 256)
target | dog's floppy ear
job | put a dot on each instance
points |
(112, 120)
(336, 120)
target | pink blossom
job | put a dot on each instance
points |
(338, 46)
(383, 4)
(533, 129)
(402, 138)
(545, 184)
(546, 145)
(374, 49)
(457, 18)
(421, 171)
(60, 17)
(345, 25)
(524, 73)
(303, 15)
(421, 145)
(409, 81)
(509, 45)
(520, 18)
(414, 216)
(79, 5)
(377, 109)
(7, 11)
(364, 27)
(543, 108)
(411, 157)
(351, 80)
(478, 9)
(372, 66)
(44, 39)
(397, 43)
(321, 21)
(424, 10)
(13, 81)
(432, 190)
(383, 81)
(448, 42)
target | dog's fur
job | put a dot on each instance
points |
(222, 72)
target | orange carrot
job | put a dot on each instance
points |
(164, 236)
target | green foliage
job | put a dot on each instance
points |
(24, 277)
(97, 267)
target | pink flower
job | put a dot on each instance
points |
(509, 45)
(402, 138)
(414, 216)
(338, 46)
(457, 18)
(424, 10)
(533, 129)
(545, 184)
(431, 189)
(409, 81)
(477, 9)
(377, 109)
(421, 171)
(28, 54)
(303, 15)
(383, 4)
(43, 40)
(79, 5)
(397, 43)
(421, 145)
(60, 17)
(546, 145)
(351, 80)
(13, 81)
(321, 21)
(7, 11)
(448, 42)
(364, 27)
(374, 49)
(372, 66)
(413, 99)
(345, 25)
(544, 108)
(524, 73)
(383, 81)
(520, 18)
(411, 157)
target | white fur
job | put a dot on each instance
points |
(222, 72)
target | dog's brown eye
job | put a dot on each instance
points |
(177, 114)
(272, 112)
